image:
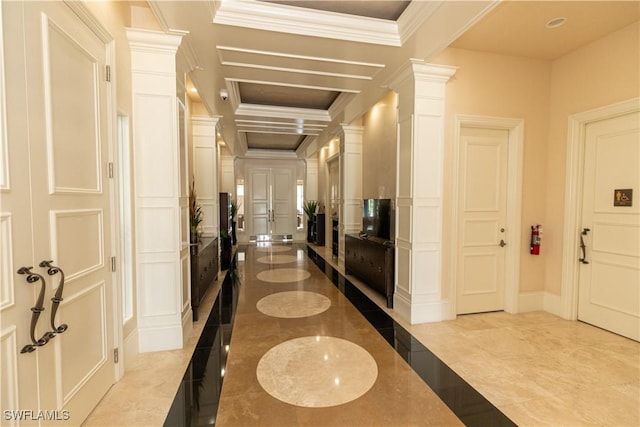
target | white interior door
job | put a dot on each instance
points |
(283, 207)
(259, 194)
(609, 288)
(57, 154)
(482, 205)
(272, 194)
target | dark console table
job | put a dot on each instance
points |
(371, 260)
(204, 270)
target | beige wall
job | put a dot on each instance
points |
(379, 142)
(502, 86)
(599, 74)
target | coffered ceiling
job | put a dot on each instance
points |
(292, 71)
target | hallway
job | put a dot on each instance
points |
(486, 369)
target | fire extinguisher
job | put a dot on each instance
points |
(536, 237)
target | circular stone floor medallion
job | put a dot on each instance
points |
(317, 372)
(277, 259)
(293, 304)
(283, 275)
(274, 249)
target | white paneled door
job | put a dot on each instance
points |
(55, 206)
(272, 202)
(609, 289)
(482, 206)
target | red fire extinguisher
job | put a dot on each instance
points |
(536, 237)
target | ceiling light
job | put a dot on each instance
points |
(556, 22)
(193, 90)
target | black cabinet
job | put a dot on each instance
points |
(225, 212)
(371, 260)
(204, 270)
(334, 237)
(318, 229)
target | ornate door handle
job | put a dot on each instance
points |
(52, 270)
(583, 260)
(36, 310)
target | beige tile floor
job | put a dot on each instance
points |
(538, 369)
(274, 358)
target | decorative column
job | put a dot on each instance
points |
(351, 182)
(418, 264)
(205, 171)
(163, 303)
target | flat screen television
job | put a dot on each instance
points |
(376, 218)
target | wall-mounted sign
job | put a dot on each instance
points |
(623, 197)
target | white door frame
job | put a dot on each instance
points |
(514, 203)
(573, 197)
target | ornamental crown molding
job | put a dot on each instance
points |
(317, 23)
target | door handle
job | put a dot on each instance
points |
(583, 260)
(502, 243)
(52, 270)
(35, 310)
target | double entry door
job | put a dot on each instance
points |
(56, 287)
(271, 195)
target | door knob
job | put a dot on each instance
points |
(502, 243)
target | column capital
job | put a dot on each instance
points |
(351, 129)
(417, 70)
(140, 39)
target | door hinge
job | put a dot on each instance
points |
(116, 355)
(110, 166)
(108, 73)
(113, 264)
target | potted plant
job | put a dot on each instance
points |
(309, 207)
(234, 211)
(195, 213)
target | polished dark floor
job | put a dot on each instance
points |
(196, 403)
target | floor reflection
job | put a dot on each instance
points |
(196, 402)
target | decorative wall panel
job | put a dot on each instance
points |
(78, 256)
(150, 221)
(475, 284)
(156, 149)
(72, 123)
(626, 283)
(9, 370)
(159, 299)
(616, 238)
(83, 338)
(480, 232)
(6, 262)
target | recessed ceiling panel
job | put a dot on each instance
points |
(262, 141)
(305, 64)
(283, 96)
(388, 9)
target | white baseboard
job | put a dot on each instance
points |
(187, 324)
(422, 312)
(160, 338)
(531, 301)
(553, 304)
(539, 301)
